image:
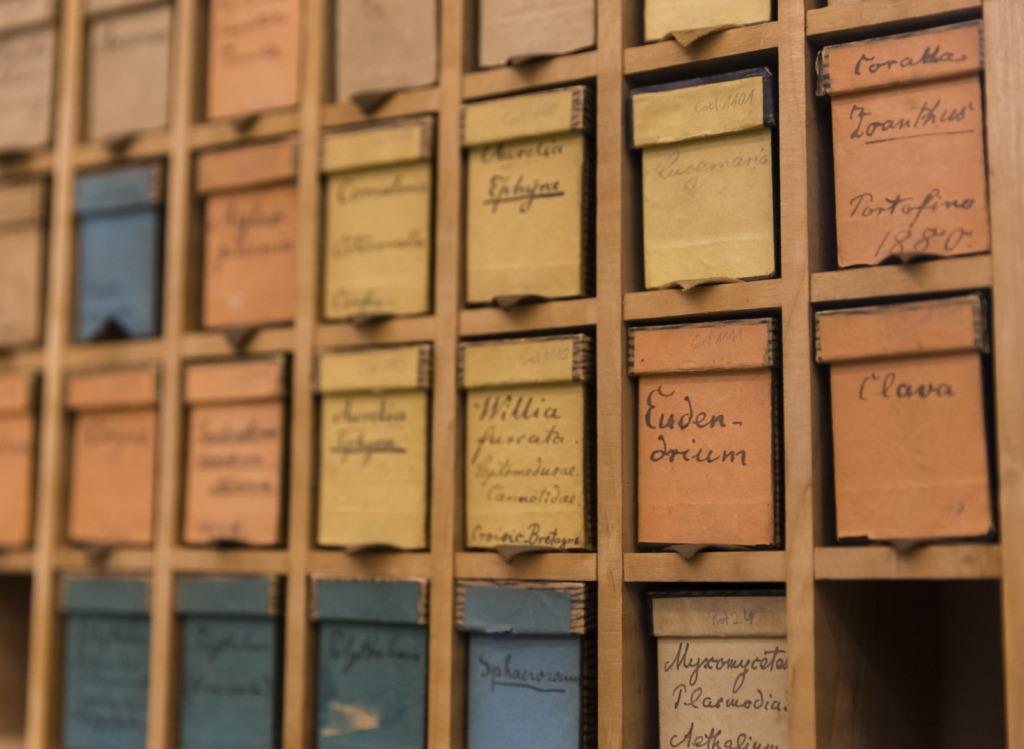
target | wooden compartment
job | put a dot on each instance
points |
(18, 430)
(23, 217)
(15, 598)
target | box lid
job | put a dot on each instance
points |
(739, 614)
(699, 347)
(225, 381)
(125, 388)
(103, 595)
(942, 52)
(701, 108)
(16, 14)
(929, 327)
(523, 361)
(375, 600)
(117, 189)
(96, 7)
(247, 166)
(381, 143)
(23, 201)
(378, 369)
(559, 110)
(519, 607)
(230, 596)
(17, 393)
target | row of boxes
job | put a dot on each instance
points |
(378, 48)
(709, 198)
(531, 666)
(908, 417)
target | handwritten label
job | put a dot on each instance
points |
(106, 680)
(26, 88)
(250, 257)
(724, 693)
(21, 278)
(230, 683)
(373, 469)
(705, 471)
(234, 474)
(533, 683)
(252, 40)
(525, 474)
(910, 172)
(379, 226)
(524, 224)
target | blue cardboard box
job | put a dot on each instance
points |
(120, 251)
(106, 662)
(530, 667)
(373, 663)
(231, 662)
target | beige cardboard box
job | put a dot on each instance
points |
(908, 419)
(374, 447)
(527, 443)
(909, 144)
(528, 196)
(707, 470)
(378, 205)
(708, 195)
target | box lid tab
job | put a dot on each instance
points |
(16, 14)
(699, 347)
(516, 607)
(375, 370)
(125, 388)
(523, 361)
(559, 110)
(103, 595)
(221, 382)
(375, 600)
(118, 189)
(230, 596)
(719, 616)
(23, 201)
(379, 144)
(247, 166)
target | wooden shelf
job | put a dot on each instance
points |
(577, 567)
(570, 313)
(120, 558)
(931, 277)
(22, 359)
(199, 559)
(114, 353)
(959, 562)
(710, 566)
(33, 162)
(753, 297)
(147, 146)
(414, 101)
(550, 73)
(394, 330)
(205, 343)
(743, 41)
(876, 17)
(222, 133)
(15, 561)
(388, 564)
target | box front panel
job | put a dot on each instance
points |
(249, 257)
(379, 241)
(27, 61)
(112, 477)
(119, 273)
(705, 464)
(234, 474)
(723, 692)
(373, 686)
(230, 683)
(664, 16)
(524, 218)
(709, 208)
(21, 285)
(527, 28)
(910, 448)
(106, 682)
(524, 692)
(253, 58)
(910, 171)
(525, 471)
(17, 474)
(373, 469)
(129, 72)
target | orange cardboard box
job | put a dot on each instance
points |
(17, 457)
(253, 56)
(908, 419)
(113, 456)
(236, 449)
(707, 438)
(908, 133)
(250, 232)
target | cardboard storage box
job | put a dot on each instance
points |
(23, 219)
(379, 227)
(373, 663)
(17, 457)
(908, 134)
(708, 187)
(28, 61)
(908, 419)
(707, 434)
(513, 31)
(374, 447)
